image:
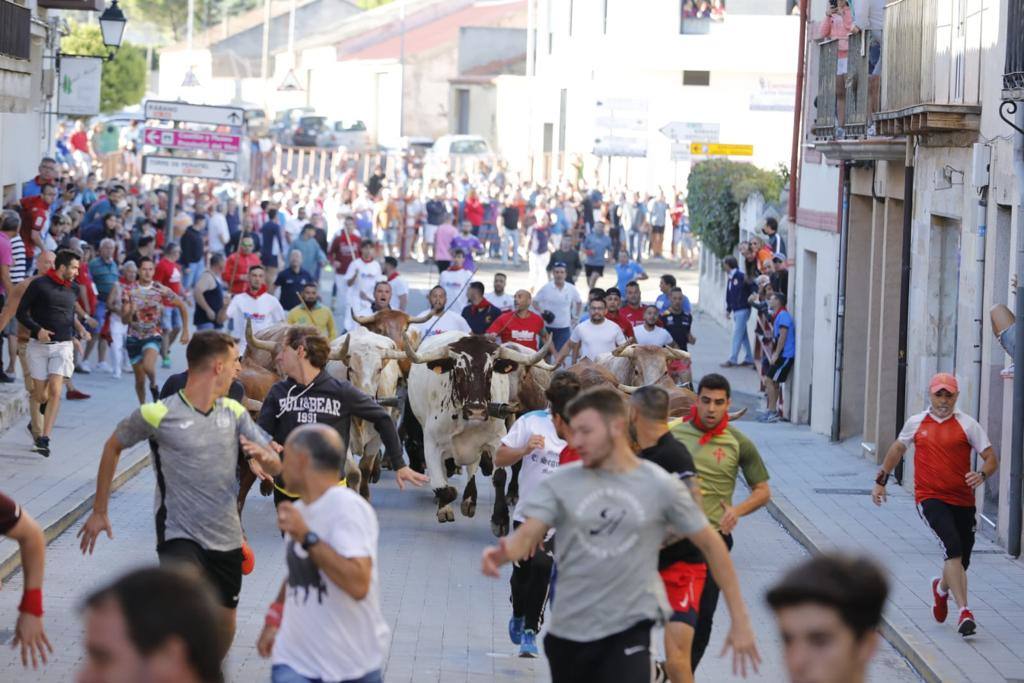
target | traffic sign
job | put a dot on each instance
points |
(194, 113)
(715, 149)
(189, 168)
(190, 139)
(680, 151)
(689, 130)
(612, 146)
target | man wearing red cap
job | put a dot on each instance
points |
(944, 483)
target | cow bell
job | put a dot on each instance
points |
(502, 410)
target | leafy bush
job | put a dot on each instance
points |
(716, 190)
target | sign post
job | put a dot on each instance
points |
(193, 140)
(194, 113)
(214, 169)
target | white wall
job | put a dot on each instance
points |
(814, 316)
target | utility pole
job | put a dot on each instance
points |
(401, 67)
(265, 57)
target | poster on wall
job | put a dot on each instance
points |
(79, 86)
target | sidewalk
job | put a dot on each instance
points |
(821, 494)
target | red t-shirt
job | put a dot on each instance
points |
(84, 281)
(942, 455)
(344, 249)
(168, 273)
(635, 315)
(236, 270)
(511, 328)
(34, 214)
(621, 321)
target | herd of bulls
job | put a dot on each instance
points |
(452, 396)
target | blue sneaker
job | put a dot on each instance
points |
(529, 646)
(515, 629)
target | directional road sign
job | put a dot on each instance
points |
(715, 149)
(189, 168)
(194, 113)
(613, 146)
(690, 130)
(190, 139)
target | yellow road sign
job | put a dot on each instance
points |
(716, 149)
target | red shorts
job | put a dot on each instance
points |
(684, 582)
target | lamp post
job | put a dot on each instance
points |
(112, 23)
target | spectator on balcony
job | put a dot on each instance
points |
(837, 25)
(869, 15)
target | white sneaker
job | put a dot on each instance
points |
(104, 366)
(85, 366)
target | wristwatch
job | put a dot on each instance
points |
(310, 540)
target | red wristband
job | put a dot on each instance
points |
(274, 614)
(32, 602)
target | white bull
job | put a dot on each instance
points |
(453, 382)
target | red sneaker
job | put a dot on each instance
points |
(967, 627)
(248, 558)
(76, 395)
(940, 608)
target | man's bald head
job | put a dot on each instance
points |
(523, 300)
(321, 443)
(45, 261)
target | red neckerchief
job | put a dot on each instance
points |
(568, 455)
(260, 292)
(483, 305)
(454, 267)
(52, 274)
(392, 276)
(776, 314)
(708, 434)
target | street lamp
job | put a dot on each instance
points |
(112, 23)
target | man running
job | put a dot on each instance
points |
(456, 280)
(168, 274)
(613, 302)
(720, 453)
(47, 311)
(521, 326)
(326, 622)
(677, 318)
(311, 394)
(195, 434)
(680, 564)
(498, 296)
(613, 510)
(442, 319)
(828, 609)
(360, 278)
(593, 336)
(650, 333)
(18, 525)
(944, 481)
(596, 247)
(255, 304)
(311, 312)
(633, 310)
(479, 313)
(558, 303)
(536, 440)
(143, 311)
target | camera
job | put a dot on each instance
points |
(548, 316)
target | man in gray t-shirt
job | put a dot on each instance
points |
(613, 512)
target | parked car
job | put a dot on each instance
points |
(307, 130)
(285, 123)
(457, 153)
(352, 135)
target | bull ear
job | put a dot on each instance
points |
(442, 365)
(503, 366)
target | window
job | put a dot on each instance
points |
(696, 78)
(462, 114)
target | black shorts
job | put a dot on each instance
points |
(954, 525)
(222, 568)
(779, 371)
(442, 265)
(269, 261)
(658, 229)
(594, 269)
(622, 656)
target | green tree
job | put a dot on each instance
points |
(124, 77)
(171, 16)
(716, 189)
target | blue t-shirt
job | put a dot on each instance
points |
(784, 319)
(663, 303)
(626, 274)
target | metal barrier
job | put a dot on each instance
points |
(828, 63)
(860, 86)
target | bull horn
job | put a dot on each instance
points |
(393, 354)
(738, 414)
(625, 351)
(544, 365)
(527, 360)
(255, 343)
(365, 319)
(677, 353)
(627, 388)
(421, 319)
(412, 355)
(342, 353)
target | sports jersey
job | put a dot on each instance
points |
(678, 325)
(538, 463)
(942, 455)
(718, 462)
(659, 336)
(511, 328)
(634, 314)
(455, 282)
(195, 460)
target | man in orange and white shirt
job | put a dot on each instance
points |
(944, 482)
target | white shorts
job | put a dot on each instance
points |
(56, 358)
(429, 231)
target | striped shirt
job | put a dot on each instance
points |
(19, 267)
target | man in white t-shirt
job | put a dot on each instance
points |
(442, 320)
(455, 280)
(255, 304)
(561, 300)
(362, 276)
(399, 287)
(593, 336)
(499, 297)
(326, 623)
(217, 232)
(537, 440)
(649, 333)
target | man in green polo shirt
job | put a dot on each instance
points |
(720, 453)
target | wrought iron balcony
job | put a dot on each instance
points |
(15, 30)
(862, 88)
(826, 122)
(1013, 74)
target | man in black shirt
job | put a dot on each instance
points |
(569, 254)
(510, 236)
(680, 563)
(678, 319)
(47, 311)
(291, 281)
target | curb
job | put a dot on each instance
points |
(801, 529)
(76, 504)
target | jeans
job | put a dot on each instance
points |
(510, 241)
(191, 275)
(637, 242)
(740, 337)
(282, 673)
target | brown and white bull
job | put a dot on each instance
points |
(455, 382)
(393, 325)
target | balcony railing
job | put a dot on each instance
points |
(862, 89)
(828, 60)
(15, 30)
(1013, 74)
(908, 54)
